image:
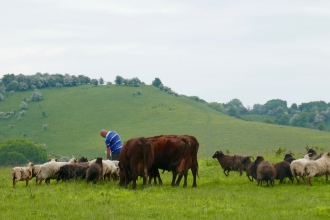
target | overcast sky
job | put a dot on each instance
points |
(217, 50)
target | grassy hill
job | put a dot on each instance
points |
(75, 115)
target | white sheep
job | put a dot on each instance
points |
(22, 173)
(48, 170)
(109, 169)
(297, 167)
(36, 169)
(318, 167)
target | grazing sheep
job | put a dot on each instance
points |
(265, 171)
(94, 172)
(318, 167)
(22, 173)
(37, 167)
(110, 170)
(288, 157)
(225, 161)
(72, 171)
(297, 167)
(48, 170)
(283, 171)
(250, 168)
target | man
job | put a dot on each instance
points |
(113, 144)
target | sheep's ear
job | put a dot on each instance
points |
(329, 154)
(56, 159)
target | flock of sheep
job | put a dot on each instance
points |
(311, 165)
(93, 170)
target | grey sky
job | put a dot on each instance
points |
(217, 50)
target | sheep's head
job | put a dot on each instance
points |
(217, 154)
(259, 159)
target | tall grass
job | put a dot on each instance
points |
(215, 197)
(75, 115)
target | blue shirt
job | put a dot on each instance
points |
(112, 141)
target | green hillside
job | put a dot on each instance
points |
(75, 115)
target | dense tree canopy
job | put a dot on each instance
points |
(18, 151)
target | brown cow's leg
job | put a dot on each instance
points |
(174, 174)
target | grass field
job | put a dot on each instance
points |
(75, 115)
(215, 197)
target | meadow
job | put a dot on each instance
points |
(75, 115)
(215, 197)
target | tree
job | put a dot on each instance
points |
(216, 106)
(6, 79)
(19, 151)
(273, 104)
(23, 86)
(23, 105)
(94, 82)
(13, 85)
(232, 111)
(101, 81)
(36, 95)
(119, 80)
(282, 119)
(156, 82)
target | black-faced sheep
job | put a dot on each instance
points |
(265, 171)
(94, 172)
(22, 173)
(283, 171)
(250, 168)
(225, 161)
(288, 157)
(318, 167)
(313, 155)
(297, 167)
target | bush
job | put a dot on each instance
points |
(18, 151)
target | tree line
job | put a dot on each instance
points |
(310, 115)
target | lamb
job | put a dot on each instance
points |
(22, 173)
(94, 172)
(265, 171)
(250, 167)
(48, 170)
(283, 171)
(297, 167)
(225, 161)
(318, 167)
(288, 157)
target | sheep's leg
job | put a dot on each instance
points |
(249, 178)
(27, 182)
(226, 174)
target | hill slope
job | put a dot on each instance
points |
(75, 115)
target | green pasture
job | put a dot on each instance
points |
(75, 115)
(215, 197)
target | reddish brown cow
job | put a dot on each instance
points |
(175, 153)
(135, 159)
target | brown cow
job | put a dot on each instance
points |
(135, 159)
(175, 153)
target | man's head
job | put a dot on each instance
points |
(103, 133)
